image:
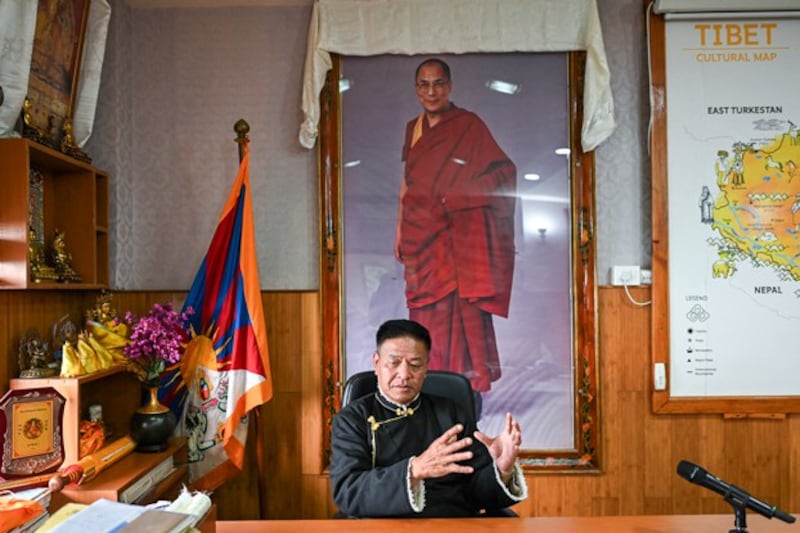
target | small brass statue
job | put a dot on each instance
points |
(103, 311)
(34, 358)
(62, 259)
(40, 270)
(29, 129)
(68, 145)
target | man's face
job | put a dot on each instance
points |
(401, 365)
(433, 89)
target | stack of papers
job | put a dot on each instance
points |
(106, 516)
(193, 503)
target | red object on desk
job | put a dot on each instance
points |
(71, 474)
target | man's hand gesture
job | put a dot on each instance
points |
(504, 448)
(442, 456)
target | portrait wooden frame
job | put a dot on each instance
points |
(27, 453)
(53, 81)
(584, 454)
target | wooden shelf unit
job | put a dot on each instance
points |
(117, 390)
(75, 200)
(112, 482)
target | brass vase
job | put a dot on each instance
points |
(152, 424)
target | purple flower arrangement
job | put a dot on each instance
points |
(156, 340)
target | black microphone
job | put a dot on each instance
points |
(731, 493)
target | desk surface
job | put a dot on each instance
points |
(598, 524)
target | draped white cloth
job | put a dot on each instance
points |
(94, 50)
(17, 26)
(371, 27)
(17, 29)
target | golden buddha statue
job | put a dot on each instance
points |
(40, 270)
(62, 259)
(68, 145)
(67, 141)
(29, 129)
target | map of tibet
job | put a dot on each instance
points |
(757, 209)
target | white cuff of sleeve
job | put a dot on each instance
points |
(517, 488)
(416, 495)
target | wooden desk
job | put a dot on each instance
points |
(598, 524)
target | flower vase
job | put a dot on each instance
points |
(152, 424)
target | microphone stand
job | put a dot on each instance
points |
(739, 509)
(738, 498)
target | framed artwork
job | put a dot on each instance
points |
(546, 346)
(31, 432)
(55, 64)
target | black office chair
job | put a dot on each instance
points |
(438, 383)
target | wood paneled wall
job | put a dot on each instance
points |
(639, 450)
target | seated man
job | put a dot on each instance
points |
(401, 453)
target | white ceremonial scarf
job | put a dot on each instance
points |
(371, 27)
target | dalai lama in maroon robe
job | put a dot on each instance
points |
(455, 231)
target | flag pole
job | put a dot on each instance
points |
(242, 128)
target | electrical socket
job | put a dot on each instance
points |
(625, 275)
(659, 376)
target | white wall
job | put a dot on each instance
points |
(174, 82)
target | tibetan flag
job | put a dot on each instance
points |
(224, 371)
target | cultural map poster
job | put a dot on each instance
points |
(733, 143)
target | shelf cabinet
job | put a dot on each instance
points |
(113, 482)
(116, 390)
(48, 191)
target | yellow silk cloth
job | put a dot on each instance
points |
(99, 348)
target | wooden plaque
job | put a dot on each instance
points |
(31, 432)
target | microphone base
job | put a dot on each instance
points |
(740, 522)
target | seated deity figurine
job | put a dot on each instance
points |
(68, 144)
(29, 129)
(34, 359)
(40, 270)
(68, 140)
(62, 259)
(103, 312)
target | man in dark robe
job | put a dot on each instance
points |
(402, 453)
(455, 229)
